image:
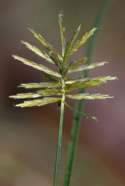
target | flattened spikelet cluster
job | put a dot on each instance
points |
(60, 81)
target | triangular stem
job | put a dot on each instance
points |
(59, 141)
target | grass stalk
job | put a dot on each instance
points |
(59, 140)
(80, 105)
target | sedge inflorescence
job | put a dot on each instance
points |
(62, 83)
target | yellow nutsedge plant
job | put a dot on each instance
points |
(64, 82)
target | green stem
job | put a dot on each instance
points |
(59, 143)
(72, 144)
(80, 105)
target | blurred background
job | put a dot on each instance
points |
(28, 136)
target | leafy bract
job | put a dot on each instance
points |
(70, 44)
(50, 92)
(37, 94)
(38, 102)
(62, 33)
(56, 58)
(41, 39)
(77, 63)
(86, 67)
(46, 44)
(40, 85)
(82, 40)
(74, 38)
(37, 51)
(25, 96)
(88, 96)
(88, 82)
(37, 66)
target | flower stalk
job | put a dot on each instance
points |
(60, 136)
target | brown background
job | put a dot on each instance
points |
(28, 137)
